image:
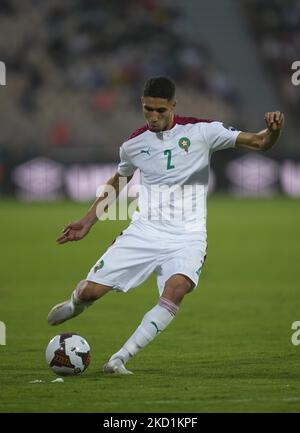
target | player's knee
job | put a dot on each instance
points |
(177, 287)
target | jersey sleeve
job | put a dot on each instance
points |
(125, 167)
(219, 136)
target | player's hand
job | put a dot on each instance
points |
(274, 120)
(74, 232)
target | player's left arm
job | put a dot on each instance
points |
(265, 139)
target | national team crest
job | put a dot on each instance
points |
(99, 266)
(184, 143)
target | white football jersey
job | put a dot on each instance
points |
(174, 169)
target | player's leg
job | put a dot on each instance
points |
(177, 275)
(125, 264)
(177, 287)
(82, 297)
(153, 323)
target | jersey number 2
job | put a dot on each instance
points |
(168, 153)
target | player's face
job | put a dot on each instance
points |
(158, 112)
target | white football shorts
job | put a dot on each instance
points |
(138, 251)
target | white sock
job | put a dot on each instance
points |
(155, 321)
(75, 296)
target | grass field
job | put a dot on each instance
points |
(228, 350)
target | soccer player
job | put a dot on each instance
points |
(167, 234)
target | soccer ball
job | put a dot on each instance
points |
(68, 354)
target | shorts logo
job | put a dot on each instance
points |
(146, 151)
(184, 143)
(99, 266)
(199, 270)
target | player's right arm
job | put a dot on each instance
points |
(111, 190)
(79, 229)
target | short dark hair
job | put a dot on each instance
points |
(160, 87)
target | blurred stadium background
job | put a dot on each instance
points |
(75, 70)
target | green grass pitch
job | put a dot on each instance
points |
(228, 350)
